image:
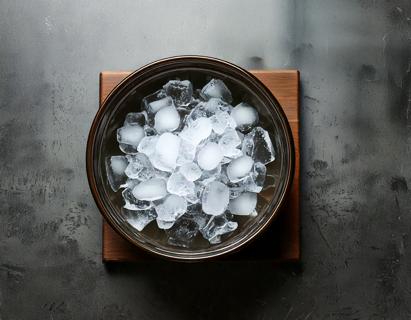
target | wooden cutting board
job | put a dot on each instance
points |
(281, 241)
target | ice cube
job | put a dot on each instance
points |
(129, 137)
(179, 185)
(164, 224)
(257, 144)
(221, 121)
(210, 156)
(195, 213)
(139, 167)
(216, 105)
(216, 227)
(186, 153)
(180, 91)
(215, 198)
(239, 168)
(139, 118)
(244, 204)
(140, 219)
(166, 152)
(183, 232)
(171, 208)
(245, 116)
(147, 145)
(150, 190)
(191, 171)
(229, 142)
(154, 102)
(208, 109)
(132, 203)
(216, 89)
(130, 184)
(197, 131)
(254, 182)
(115, 167)
(166, 119)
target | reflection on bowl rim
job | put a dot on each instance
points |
(198, 256)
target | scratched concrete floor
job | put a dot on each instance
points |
(355, 62)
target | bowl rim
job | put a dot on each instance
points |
(90, 150)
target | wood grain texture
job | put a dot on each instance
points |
(281, 241)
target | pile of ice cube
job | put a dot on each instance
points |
(192, 162)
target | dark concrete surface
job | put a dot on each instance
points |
(355, 63)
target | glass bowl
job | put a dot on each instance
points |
(126, 97)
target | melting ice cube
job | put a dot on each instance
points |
(244, 204)
(216, 89)
(180, 91)
(239, 168)
(164, 224)
(257, 144)
(115, 167)
(167, 119)
(245, 116)
(215, 198)
(150, 190)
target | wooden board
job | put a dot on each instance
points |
(281, 241)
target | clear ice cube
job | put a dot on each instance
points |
(155, 101)
(166, 119)
(179, 185)
(186, 153)
(166, 152)
(191, 171)
(215, 198)
(216, 227)
(132, 203)
(216, 88)
(257, 144)
(254, 182)
(209, 156)
(147, 145)
(140, 219)
(229, 142)
(129, 137)
(139, 118)
(150, 190)
(244, 204)
(245, 116)
(221, 121)
(115, 167)
(239, 168)
(139, 167)
(171, 208)
(180, 91)
(183, 232)
(197, 131)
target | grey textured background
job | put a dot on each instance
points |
(355, 63)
